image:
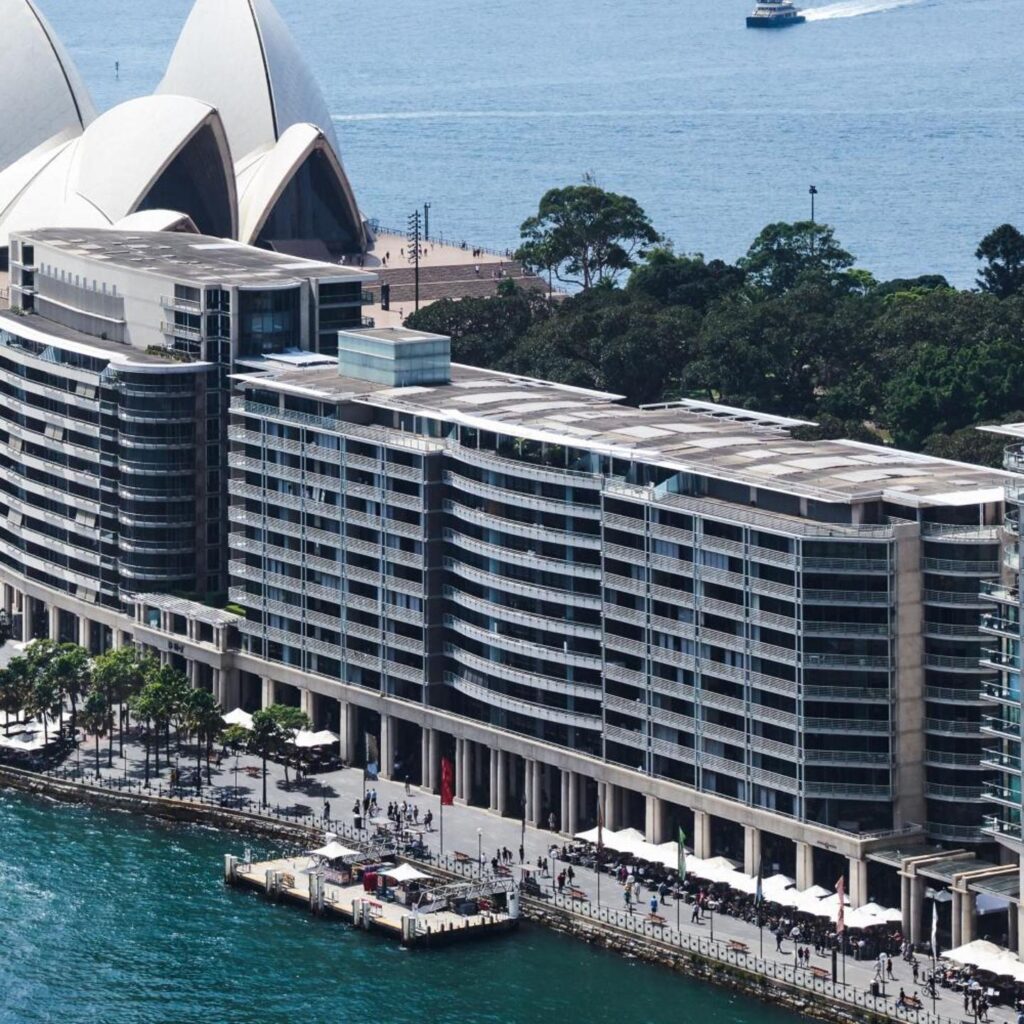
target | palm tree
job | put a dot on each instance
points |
(95, 717)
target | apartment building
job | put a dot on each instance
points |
(115, 359)
(689, 593)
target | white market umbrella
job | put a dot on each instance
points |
(238, 717)
(334, 851)
(306, 739)
(403, 873)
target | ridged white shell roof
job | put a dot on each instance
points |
(239, 56)
(102, 176)
(265, 174)
(42, 93)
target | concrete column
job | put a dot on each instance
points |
(611, 819)
(307, 701)
(435, 761)
(425, 757)
(653, 818)
(565, 780)
(529, 766)
(54, 622)
(1013, 928)
(956, 918)
(230, 689)
(502, 804)
(968, 918)
(916, 899)
(468, 753)
(492, 779)
(804, 866)
(858, 882)
(574, 804)
(905, 883)
(387, 757)
(191, 673)
(751, 849)
(701, 834)
(268, 692)
(460, 770)
(1018, 916)
(537, 776)
(352, 730)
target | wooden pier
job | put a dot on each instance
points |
(445, 911)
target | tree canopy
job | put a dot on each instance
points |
(584, 235)
(793, 327)
(1002, 254)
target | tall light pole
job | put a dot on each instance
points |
(414, 237)
(426, 222)
(812, 191)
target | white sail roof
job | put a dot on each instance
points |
(239, 56)
(131, 158)
(43, 93)
(265, 174)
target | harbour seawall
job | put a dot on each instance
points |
(606, 935)
(151, 805)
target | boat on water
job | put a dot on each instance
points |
(774, 14)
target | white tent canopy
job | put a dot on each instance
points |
(987, 956)
(306, 739)
(402, 873)
(238, 717)
(334, 851)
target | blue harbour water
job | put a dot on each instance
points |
(106, 920)
(908, 115)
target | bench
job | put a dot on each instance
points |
(656, 919)
(735, 946)
(821, 973)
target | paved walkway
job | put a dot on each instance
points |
(473, 830)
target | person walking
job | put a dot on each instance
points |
(327, 811)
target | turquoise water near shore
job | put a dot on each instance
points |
(908, 115)
(108, 920)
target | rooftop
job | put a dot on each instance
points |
(201, 259)
(688, 436)
(37, 328)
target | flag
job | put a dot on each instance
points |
(840, 919)
(682, 855)
(447, 782)
(935, 929)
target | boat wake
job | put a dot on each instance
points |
(854, 8)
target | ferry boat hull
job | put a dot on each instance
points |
(753, 22)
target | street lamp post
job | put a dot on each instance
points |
(426, 222)
(812, 191)
(480, 850)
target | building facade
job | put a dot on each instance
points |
(115, 360)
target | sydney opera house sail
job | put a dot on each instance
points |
(241, 148)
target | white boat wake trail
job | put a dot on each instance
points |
(854, 8)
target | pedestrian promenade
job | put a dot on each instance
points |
(476, 833)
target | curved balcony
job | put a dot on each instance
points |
(523, 618)
(514, 556)
(526, 648)
(509, 673)
(511, 526)
(511, 586)
(521, 499)
(528, 709)
(521, 468)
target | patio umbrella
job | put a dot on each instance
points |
(238, 717)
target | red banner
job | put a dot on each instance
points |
(447, 782)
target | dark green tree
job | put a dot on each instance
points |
(1002, 254)
(783, 254)
(684, 280)
(585, 235)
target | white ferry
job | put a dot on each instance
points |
(774, 14)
